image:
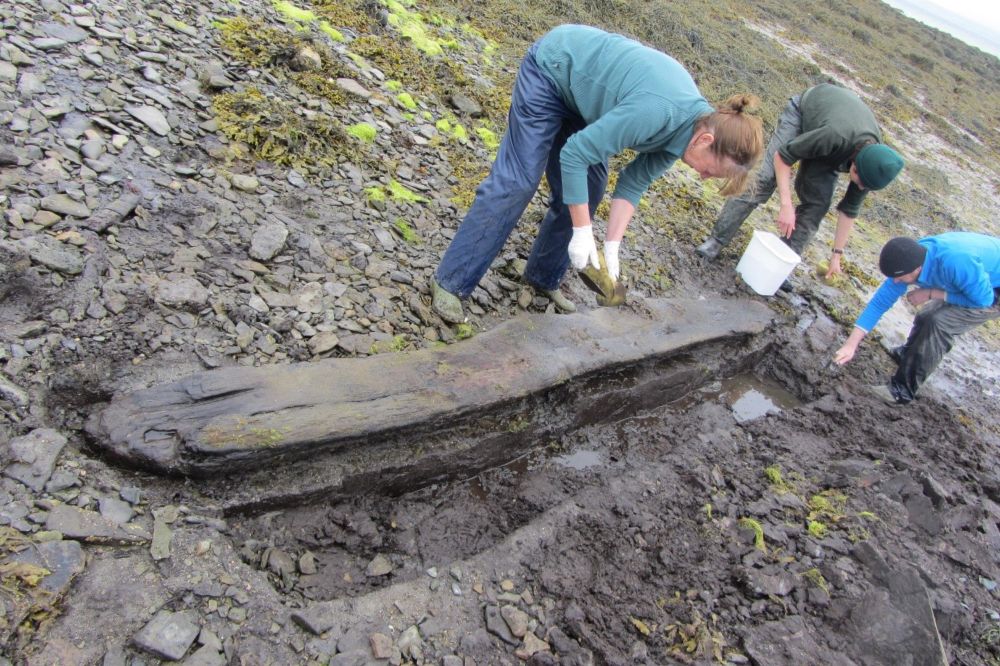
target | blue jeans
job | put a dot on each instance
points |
(538, 125)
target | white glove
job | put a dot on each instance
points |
(611, 258)
(582, 248)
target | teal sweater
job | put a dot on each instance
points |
(631, 96)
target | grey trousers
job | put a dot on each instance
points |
(814, 185)
(933, 333)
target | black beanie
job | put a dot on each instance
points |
(901, 256)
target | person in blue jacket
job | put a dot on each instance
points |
(582, 95)
(957, 274)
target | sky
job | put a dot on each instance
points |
(975, 22)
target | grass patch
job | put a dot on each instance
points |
(758, 532)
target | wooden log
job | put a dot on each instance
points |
(502, 382)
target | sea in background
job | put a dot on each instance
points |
(976, 23)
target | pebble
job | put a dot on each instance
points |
(168, 635)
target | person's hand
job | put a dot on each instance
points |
(582, 248)
(834, 268)
(611, 258)
(918, 296)
(786, 221)
(845, 354)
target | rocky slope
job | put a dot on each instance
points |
(190, 185)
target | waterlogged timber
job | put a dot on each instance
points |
(482, 401)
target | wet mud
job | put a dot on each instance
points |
(758, 517)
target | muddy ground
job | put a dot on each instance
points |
(780, 515)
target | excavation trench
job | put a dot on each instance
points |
(354, 545)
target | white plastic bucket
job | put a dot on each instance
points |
(766, 263)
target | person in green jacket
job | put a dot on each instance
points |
(581, 96)
(827, 130)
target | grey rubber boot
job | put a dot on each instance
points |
(446, 304)
(710, 249)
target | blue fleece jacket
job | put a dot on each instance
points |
(965, 265)
(630, 95)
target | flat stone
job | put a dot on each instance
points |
(159, 549)
(244, 182)
(516, 619)
(152, 117)
(895, 623)
(181, 292)
(64, 205)
(68, 33)
(168, 635)
(49, 252)
(789, 642)
(90, 527)
(33, 457)
(353, 87)
(206, 656)
(117, 511)
(64, 559)
(317, 619)
(8, 71)
(496, 625)
(268, 240)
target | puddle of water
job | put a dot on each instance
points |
(580, 459)
(750, 397)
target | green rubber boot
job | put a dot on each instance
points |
(562, 303)
(446, 304)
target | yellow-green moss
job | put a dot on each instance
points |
(331, 32)
(375, 194)
(290, 11)
(400, 192)
(363, 131)
(406, 99)
(488, 137)
(406, 231)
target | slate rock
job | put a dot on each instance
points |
(91, 527)
(244, 182)
(268, 240)
(465, 104)
(64, 559)
(184, 291)
(317, 619)
(895, 623)
(496, 625)
(68, 33)
(206, 656)
(53, 254)
(789, 642)
(34, 457)
(116, 510)
(151, 117)
(168, 635)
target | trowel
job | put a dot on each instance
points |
(609, 292)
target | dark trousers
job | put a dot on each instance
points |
(932, 336)
(538, 125)
(814, 185)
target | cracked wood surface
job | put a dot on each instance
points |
(234, 418)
